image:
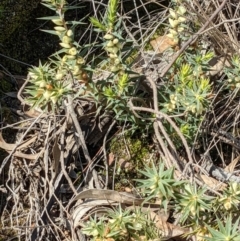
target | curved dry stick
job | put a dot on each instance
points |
(163, 146)
(130, 103)
(73, 115)
(105, 153)
(21, 90)
(19, 142)
(159, 115)
(160, 125)
(155, 99)
(63, 167)
(173, 153)
(171, 123)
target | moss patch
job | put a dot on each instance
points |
(131, 154)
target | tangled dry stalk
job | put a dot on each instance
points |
(42, 186)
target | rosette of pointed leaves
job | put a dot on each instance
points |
(119, 225)
(231, 196)
(227, 232)
(193, 202)
(233, 73)
(159, 183)
(45, 91)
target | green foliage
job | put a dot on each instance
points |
(95, 228)
(176, 21)
(159, 183)
(117, 87)
(195, 207)
(185, 96)
(137, 148)
(229, 232)
(95, 22)
(68, 66)
(121, 225)
(53, 81)
(193, 203)
(231, 197)
(46, 91)
(233, 73)
(112, 13)
(187, 92)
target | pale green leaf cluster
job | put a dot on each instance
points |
(45, 91)
(195, 207)
(115, 90)
(112, 13)
(52, 82)
(227, 232)
(190, 88)
(233, 74)
(176, 21)
(231, 197)
(187, 92)
(192, 203)
(119, 225)
(159, 184)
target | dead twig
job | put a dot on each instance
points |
(19, 143)
(105, 152)
(81, 137)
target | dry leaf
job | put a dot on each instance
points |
(162, 213)
(104, 197)
(9, 147)
(124, 164)
(26, 156)
(71, 144)
(177, 174)
(109, 198)
(230, 168)
(3, 189)
(217, 64)
(32, 113)
(161, 43)
(128, 189)
(213, 183)
(110, 158)
(168, 230)
(109, 195)
(82, 209)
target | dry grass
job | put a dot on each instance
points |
(44, 175)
